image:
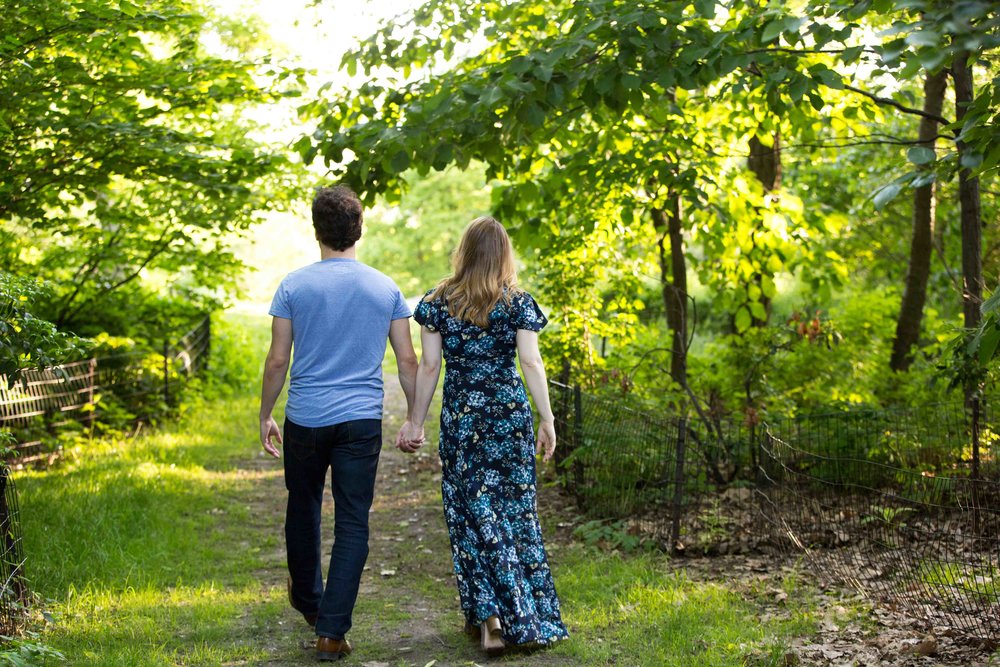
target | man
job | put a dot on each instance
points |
(337, 313)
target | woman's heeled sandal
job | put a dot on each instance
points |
(491, 640)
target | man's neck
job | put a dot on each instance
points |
(325, 252)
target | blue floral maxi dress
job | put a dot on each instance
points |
(487, 454)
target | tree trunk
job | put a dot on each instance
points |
(673, 273)
(972, 259)
(911, 310)
(968, 193)
(765, 163)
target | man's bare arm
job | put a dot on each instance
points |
(275, 369)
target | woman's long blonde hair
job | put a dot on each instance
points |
(484, 273)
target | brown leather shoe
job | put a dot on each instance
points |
(310, 618)
(328, 650)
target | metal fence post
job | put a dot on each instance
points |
(166, 373)
(208, 342)
(91, 382)
(577, 440)
(675, 520)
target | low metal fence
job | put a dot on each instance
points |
(132, 385)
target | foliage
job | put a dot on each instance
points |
(28, 651)
(592, 116)
(26, 341)
(970, 353)
(612, 535)
(125, 156)
(412, 242)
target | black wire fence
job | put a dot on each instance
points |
(117, 388)
(13, 588)
(885, 500)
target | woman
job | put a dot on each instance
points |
(479, 318)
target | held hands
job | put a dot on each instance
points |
(546, 441)
(410, 437)
(269, 429)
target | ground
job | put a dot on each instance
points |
(166, 549)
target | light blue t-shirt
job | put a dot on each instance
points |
(340, 311)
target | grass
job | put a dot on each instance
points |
(166, 549)
(634, 610)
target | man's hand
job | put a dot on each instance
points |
(410, 437)
(546, 441)
(269, 429)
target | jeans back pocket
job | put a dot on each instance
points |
(300, 441)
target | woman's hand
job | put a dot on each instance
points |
(546, 441)
(410, 437)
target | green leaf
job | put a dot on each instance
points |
(534, 115)
(400, 161)
(988, 344)
(920, 155)
(758, 311)
(851, 54)
(705, 8)
(886, 194)
(492, 95)
(743, 319)
(771, 31)
(767, 285)
(631, 81)
(970, 160)
(992, 304)
(931, 58)
(923, 38)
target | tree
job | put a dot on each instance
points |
(123, 156)
(414, 241)
(583, 111)
(597, 120)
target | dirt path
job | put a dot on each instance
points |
(407, 612)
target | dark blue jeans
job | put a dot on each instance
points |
(350, 451)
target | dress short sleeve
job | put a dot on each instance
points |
(279, 304)
(427, 313)
(527, 314)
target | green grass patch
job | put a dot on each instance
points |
(149, 551)
(167, 549)
(636, 610)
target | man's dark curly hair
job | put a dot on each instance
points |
(337, 215)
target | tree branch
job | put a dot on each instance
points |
(158, 249)
(893, 103)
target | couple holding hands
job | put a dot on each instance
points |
(338, 314)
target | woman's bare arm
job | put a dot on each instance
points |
(534, 376)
